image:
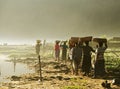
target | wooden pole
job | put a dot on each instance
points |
(40, 71)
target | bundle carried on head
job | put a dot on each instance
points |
(38, 41)
(74, 39)
(100, 40)
(87, 38)
(80, 39)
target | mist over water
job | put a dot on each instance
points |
(24, 21)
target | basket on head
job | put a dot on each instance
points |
(88, 38)
(74, 39)
(100, 40)
(38, 41)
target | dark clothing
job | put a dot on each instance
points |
(64, 51)
(100, 62)
(86, 63)
(76, 56)
(77, 52)
(87, 50)
(99, 68)
(75, 65)
(100, 53)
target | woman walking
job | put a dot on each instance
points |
(100, 61)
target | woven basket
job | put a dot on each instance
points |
(88, 38)
(74, 39)
(103, 40)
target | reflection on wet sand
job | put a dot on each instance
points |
(11, 68)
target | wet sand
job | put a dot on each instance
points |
(54, 76)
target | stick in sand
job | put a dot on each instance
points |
(40, 68)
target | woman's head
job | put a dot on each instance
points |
(87, 42)
(65, 42)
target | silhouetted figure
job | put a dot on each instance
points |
(14, 62)
(44, 43)
(70, 55)
(64, 51)
(37, 47)
(71, 46)
(76, 56)
(86, 63)
(44, 47)
(100, 61)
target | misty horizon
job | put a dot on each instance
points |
(25, 21)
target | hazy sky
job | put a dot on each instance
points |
(25, 21)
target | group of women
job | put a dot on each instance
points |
(64, 48)
(81, 54)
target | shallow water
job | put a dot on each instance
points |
(9, 68)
